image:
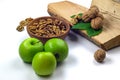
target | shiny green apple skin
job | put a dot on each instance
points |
(58, 47)
(28, 48)
(44, 63)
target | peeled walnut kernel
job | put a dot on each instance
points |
(74, 20)
(23, 23)
(78, 17)
(100, 55)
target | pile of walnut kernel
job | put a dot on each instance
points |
(43, 27)
(47, 27)
(92, 15)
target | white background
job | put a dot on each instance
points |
(79, 65)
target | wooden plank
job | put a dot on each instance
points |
(111, 7)
(108, 39)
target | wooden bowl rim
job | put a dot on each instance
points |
(63, 21)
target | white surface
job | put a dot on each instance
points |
(80, 64)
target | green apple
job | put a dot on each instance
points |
(58, 47)
(28, 48)
(44, 63)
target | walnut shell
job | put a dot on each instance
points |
(97, 23)
(100, 55)
(85, 17)
(95, 9)
(90, 14)
(101, 16)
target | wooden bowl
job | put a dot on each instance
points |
(41, 28)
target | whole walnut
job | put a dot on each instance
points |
(97, 23)
(100, 55)
(90, 14)
(101, 16)
(94, 9)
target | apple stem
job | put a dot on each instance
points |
(35, 42)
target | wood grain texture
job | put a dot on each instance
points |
(108, 6)
(110, 36)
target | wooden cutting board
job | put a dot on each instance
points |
(110, 36)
